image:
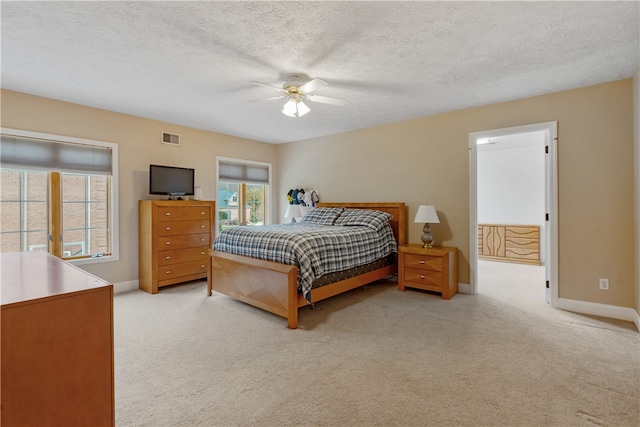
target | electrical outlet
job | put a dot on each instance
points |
(604, 284)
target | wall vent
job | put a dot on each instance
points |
(170, 138)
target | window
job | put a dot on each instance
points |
(242, 193)
(58, 194)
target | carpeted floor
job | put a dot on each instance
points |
(377, 357)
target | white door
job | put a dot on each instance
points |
(549, 130)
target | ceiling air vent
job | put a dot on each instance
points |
(170, 138)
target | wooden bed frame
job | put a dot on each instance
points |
(273, 287)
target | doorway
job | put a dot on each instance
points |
(507, 198)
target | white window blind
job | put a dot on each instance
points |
(239, 172)
(42, 154)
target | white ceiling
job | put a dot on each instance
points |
(190, 63)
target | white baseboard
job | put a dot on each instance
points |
(464, 288)
(603, 310)
(125, 286)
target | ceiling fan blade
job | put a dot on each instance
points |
(327, 99)
(268, 85)
(312, 85)
(268, 99)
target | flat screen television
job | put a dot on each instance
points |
(171, 181)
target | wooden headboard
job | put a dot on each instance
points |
(398, 211)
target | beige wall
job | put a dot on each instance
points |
(426, 160)
(139, 144)
(636, 140)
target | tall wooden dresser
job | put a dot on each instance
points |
(174, 241)
(57, 344)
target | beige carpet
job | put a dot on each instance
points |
(377, 357)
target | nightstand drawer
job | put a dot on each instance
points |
(423, 262)
(424, 279)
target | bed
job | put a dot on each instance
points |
(274, 287)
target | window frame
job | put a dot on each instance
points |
(113, 194)
(242, 189)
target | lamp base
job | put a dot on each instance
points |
(427, 238)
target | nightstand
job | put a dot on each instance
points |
(431, 269)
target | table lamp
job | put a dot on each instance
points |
(292, 212)
(427, 214)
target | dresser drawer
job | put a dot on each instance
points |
(183, 227)
(423, 279)
(423, 262)
(180, 213)
(182, 269)
(166, 243)
(182, 255)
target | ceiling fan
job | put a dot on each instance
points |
(298, 88)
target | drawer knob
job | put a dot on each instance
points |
(202, 240)
(201, 213)
(167, 257)
(201, 252)
(202, 266)
(422, 276)
(167, 243)
(421, 261)
(167, 272)
(202, 226)
(167, 228)
(168, 213)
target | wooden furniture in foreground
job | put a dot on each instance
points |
(510, 243)
(273, 287)
(174, 241)
(57, 344)
(430, 269)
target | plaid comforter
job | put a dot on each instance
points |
(314, 249)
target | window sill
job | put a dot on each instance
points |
(96, 260)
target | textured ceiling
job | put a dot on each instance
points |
(190, 63)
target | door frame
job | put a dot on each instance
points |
(550, 130)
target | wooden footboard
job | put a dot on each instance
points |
(273, 287)
(268, 285)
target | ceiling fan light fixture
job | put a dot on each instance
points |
(296, 89)
(302, 108)
(289, 108)
(295, 108)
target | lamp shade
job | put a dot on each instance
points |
(427, 214)
(295, 108)
(293, 211)
(302, 109)
(289, 108)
